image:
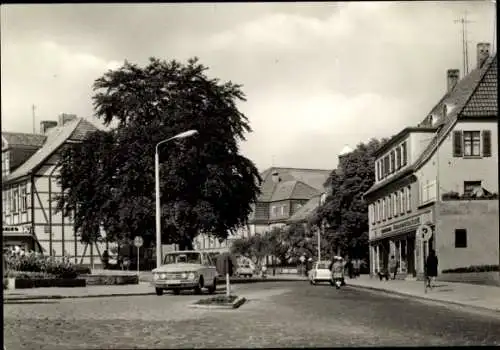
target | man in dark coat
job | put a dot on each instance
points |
(431, 268)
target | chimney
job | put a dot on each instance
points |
(45, 125)
(452, 76)
(483, 52)
(64, 118)
(276, 177)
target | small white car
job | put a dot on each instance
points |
(183, 270)
(245, 270)
(320, 272)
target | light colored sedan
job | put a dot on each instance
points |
(320, 272)
(183, 270)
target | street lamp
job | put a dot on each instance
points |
(182, 135)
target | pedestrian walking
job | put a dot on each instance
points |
(357, 267)
(105, 259)
(393, 267)
(337, 269)
(431, 268)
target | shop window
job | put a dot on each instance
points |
(461, 238)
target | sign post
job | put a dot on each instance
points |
(138, 242)
(424, 233)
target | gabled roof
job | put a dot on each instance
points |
(14, 139)
(314, 178)
(470, 97)
(75, 130)
(306, 210)
(293, 190)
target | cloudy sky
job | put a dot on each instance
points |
(317, 76)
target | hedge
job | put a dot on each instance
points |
(476, 268)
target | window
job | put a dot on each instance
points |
(403, 202)
(398, 158)
(404, 154)
(15, 200)
(382, 169)
(24, 199)
(4, 203)
(472, 143)
(396, 203)
(460, 238)
(370, 214)
(393, 161)
(9, 201)
(386, 166)
(389, 209)
(274, 211)
(282, 210)
(383, 209)
(472, 187)
(378, 213)
(408, 198)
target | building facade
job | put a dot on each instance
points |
(443, 174)
(30, 187)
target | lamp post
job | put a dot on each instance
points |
(182, 135)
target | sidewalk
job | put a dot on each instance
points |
(477, 296)
(143, 288)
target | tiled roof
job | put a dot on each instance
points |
(73, 130)
(314, 178)
(21, 139)
(470, 95)
(306, 210)
(292, 190)
(484, 102)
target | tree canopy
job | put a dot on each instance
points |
(206, 184)
(344, 212)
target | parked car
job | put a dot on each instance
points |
(245, 270)
(320, 272)
(183, 270)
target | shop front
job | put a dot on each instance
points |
(398, 239)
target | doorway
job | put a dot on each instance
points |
(410, 256)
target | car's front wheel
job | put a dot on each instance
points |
(212, 288)
(159, 291)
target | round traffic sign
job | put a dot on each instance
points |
(138, 241)
(424, 232)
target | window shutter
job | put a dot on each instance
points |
(486, 143)
(457, 144)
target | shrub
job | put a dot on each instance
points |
(62, 268)
(474, 268)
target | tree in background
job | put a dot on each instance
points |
(344, 211)
(206, 185)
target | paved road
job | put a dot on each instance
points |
(277, 315)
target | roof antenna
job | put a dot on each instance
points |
(33, 116)
(465, 51)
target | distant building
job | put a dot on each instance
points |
(443, 174)
(284, 191)
(29, 186)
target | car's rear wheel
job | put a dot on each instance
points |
(176, 291)
(198, 288)
(159, 291)
(212, 289)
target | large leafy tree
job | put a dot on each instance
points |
(345, 212)
(206, 184)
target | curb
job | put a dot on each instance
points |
(6, 299)
(419, 297)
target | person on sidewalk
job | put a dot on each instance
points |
(393, 267)
(350, 268)
(431, 267)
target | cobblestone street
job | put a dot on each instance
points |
(276, 315)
